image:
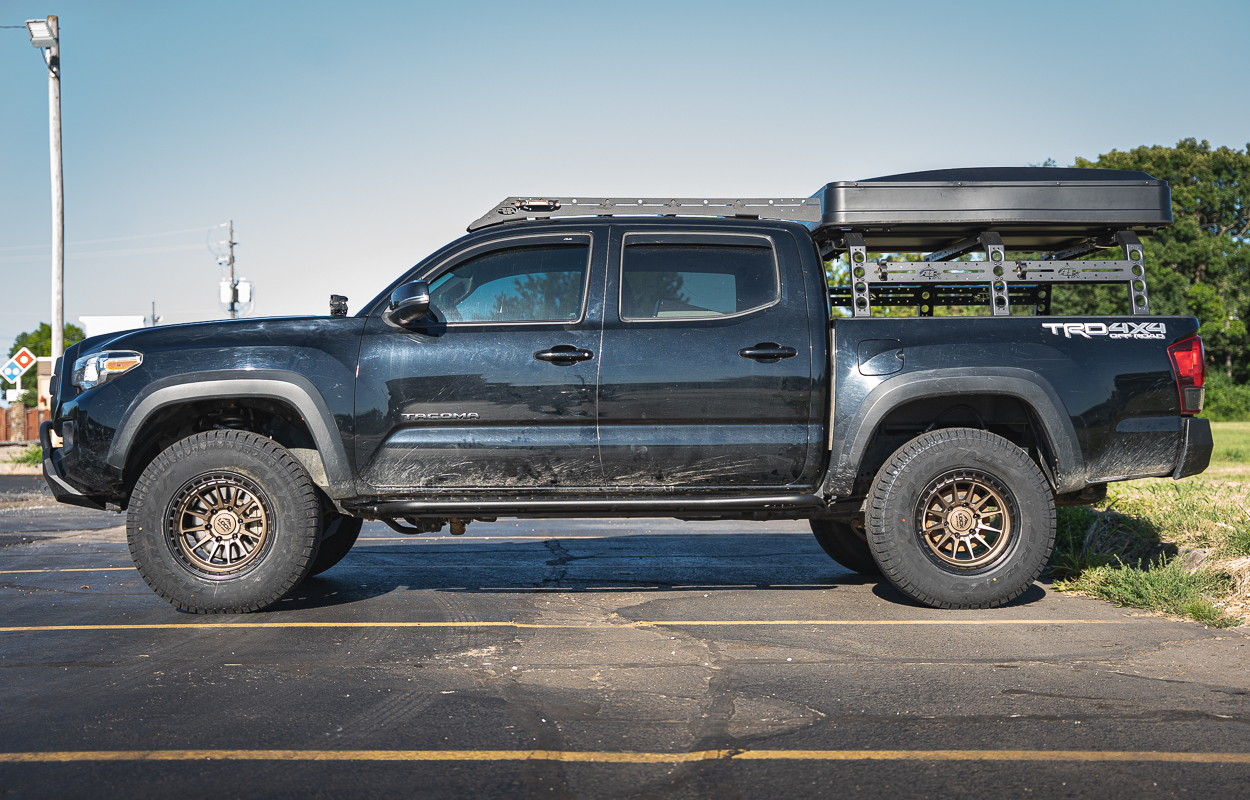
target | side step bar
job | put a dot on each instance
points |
(711, 506)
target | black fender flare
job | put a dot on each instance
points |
(289, 387)
(1028, 386)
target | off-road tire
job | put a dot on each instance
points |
(231, 471)
(929, 573)
(845, 545)
(340, 533)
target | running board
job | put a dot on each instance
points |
(778, 504)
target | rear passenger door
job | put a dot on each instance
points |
(705, 374)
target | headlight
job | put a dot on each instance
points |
(98, 369)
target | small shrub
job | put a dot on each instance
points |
(31, 456)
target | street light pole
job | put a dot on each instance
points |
(45, 34)
(58, 194)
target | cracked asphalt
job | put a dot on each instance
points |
(616, 638)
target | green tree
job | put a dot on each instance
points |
(39, 341)
(1199, 266)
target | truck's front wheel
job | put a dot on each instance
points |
(223, 522)
(340, 532)
(960, 518)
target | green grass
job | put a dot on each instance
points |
(1123, 549)
(1232, 442)
(1165, 587)
(32, 456)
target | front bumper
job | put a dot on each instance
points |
(61, 490)
(1196, 447)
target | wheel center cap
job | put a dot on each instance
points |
(225, 523)
(960, 520)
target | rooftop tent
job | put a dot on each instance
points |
(1030, 208)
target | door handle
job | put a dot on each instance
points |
(564, 355)
(768, 352)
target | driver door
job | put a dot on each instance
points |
(498, 391)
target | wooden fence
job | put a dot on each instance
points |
(11, 424)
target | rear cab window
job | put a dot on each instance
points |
(696, 276)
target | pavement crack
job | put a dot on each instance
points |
(525, 710)
(25, 588)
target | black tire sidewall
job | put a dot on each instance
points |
(896, 491)
(840, 542)
(292, 498)
(338, 543)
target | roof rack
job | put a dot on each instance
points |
(516, 209)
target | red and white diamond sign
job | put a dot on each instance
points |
(24, 358)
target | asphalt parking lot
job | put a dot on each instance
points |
(590, 659)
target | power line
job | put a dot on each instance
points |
(116, 238)
(137, 251)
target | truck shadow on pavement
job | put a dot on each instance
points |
(611, 564)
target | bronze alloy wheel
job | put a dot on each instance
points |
(220, 524)
(966, 520)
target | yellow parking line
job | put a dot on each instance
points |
(79, 569)
(417, 537)
(625, 757)
(638, 624)
(469, 566)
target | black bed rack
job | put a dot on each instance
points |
(996, 281)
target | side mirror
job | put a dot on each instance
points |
(409, 303)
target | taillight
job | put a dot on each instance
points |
(1189, 364)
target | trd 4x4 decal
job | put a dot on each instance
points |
(1115, 330)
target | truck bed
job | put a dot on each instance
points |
(1106, 401)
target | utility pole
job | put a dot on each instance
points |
(45, 35)
(234, 287)
(235, 293)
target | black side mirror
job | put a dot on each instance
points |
(409, 303)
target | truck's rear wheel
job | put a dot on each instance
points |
(960, 518)
(846, 545)
(223, 522)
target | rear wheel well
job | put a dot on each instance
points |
(1001, 414)
(273, 419)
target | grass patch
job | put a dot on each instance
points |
(1167, 587)
(1123, 550)
(32, 456)
(1232, 443)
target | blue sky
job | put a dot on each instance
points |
(348, 140)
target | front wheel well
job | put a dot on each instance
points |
(273, 419)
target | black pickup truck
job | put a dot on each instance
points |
(591, 357)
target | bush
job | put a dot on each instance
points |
(32, 456)
(1226, 401)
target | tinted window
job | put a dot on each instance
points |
(696, 280)
(538, 283)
